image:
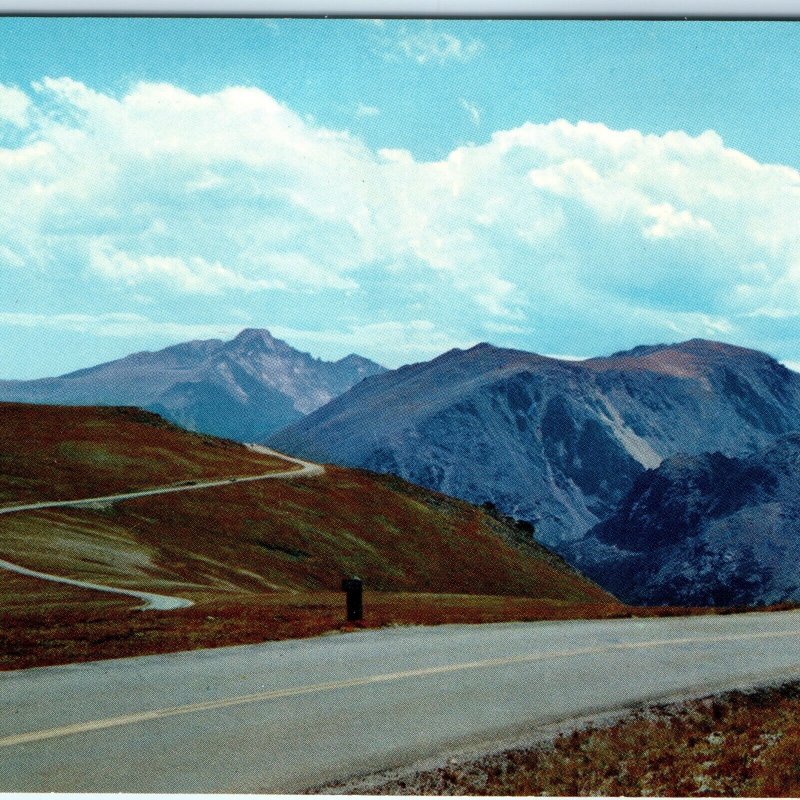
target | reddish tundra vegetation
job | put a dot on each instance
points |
(740, 744)
(65, 453)
(260, 560)
(263, 561)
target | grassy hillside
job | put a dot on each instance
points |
(261, 560)
(65, 453)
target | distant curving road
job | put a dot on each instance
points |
(153, 601)
(288, 716)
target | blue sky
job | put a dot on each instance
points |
(395, 188)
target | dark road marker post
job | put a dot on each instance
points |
(355, 605)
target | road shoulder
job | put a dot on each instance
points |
(701, 735)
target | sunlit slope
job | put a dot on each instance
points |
(294, 535)
(65, 453)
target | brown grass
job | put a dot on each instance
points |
(65, 453)
(281, 535)
(293, 535)
(58, 624)
(740, 744)
(261, 560)
(44, 623)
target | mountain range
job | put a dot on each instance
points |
(244, 389)
(557, 443)
(664, 472)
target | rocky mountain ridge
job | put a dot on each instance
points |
(244, 389)
(704, 530)
(558, 443)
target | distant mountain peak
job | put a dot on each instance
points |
(354, 360)
(694, 358)
(242, 389)
(259, 337)
(249, 334)
(554, 441)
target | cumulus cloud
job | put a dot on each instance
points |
(541, 228)
(14, 106)
(192, 275)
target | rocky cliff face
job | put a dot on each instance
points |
(243, 389)
(555, 442)
(704, 530)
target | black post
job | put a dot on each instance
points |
(355, 605)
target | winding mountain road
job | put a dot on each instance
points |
(153, 601)
(288, 716)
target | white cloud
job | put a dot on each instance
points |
(9, 258)
(472, 110)
(773, 313)
(566, 357)
(669, 222)
(14, 106)
(505, 327)
(193, 275)
(298, 270)
(430, 45)
(367, 111)
(118, 326)
(542, 226)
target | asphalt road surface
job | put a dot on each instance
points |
(285, 716)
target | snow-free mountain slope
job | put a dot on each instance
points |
(243, 389)
(555, 442)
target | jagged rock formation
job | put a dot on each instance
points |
(704, 530)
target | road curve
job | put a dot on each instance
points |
(287, 716)
(306, 469)
(153, 601)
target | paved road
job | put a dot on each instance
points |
(153, 601)
(306, 470)
(284, 716)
